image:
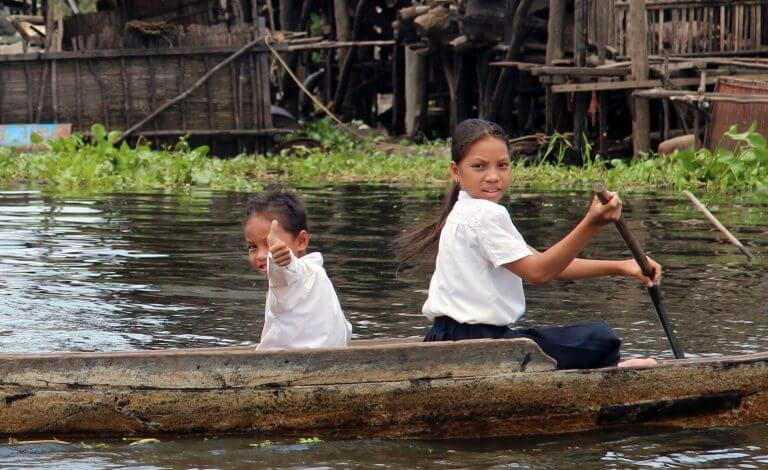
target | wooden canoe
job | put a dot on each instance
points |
(372, 389)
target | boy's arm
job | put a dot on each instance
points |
(282, 276)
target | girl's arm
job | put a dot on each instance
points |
(541, 268)
(588, 268)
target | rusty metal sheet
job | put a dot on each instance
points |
(725, 114)
(19, 136)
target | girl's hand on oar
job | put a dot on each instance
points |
(281, 254)
(631, 268)
(601, 214)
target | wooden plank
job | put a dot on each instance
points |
(692, 96)
(255, 112)
(55, 88)
(196, 50)
(633, 84)
(723, 32)
(641, 119)
(208, 93)
(126, 93)
(738, 27)
(41, 92)
(580, 125)
(576, 71)
(187, 369)
(102, 94)
(182, 63)
(152, 87)
(656, 4)
(78, 96)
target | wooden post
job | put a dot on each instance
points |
(341, 17)
(398, 89)
(416, 73)
(603, 24)
(555, 32)
(289, 19)
(515, 45)
(638, 53)
(346, 68)
(580, 24)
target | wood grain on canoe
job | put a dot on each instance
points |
(225, 368)
(502, 404)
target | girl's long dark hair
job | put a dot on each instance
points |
(420, 242)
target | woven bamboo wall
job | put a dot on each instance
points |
(120, 89)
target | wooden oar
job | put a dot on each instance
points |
(642, 261)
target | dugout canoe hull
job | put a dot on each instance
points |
(391, 390)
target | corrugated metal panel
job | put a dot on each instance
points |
(725, 114)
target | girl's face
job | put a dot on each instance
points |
(484, 172)
(256, 231)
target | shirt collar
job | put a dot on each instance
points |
(464, 195)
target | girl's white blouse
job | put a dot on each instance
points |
(302, 309)
(470, 283)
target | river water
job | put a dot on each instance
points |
(152, 270)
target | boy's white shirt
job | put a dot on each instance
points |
(302, 309)
(470, 283)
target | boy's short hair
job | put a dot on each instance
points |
(283, 205)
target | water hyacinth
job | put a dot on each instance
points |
(94, 162)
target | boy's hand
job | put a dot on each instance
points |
(631, 268)
(281, 254)
(600, 214)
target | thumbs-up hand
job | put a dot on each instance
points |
(281, 254)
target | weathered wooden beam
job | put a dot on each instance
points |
(555, 34)
(580, 34)
(636, 84)
(416, 83)
(695, 97)
(638, 51)
(515, 44)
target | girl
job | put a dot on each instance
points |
(302, 309)
(481, 259)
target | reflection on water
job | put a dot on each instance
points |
(157, 270)
(646, 448)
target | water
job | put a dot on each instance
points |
(108, 272)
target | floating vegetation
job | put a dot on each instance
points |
(95, 162)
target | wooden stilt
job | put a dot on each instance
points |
(580, 12)
(398, 89)
(416, 73)
(638, 52)
(555, 33)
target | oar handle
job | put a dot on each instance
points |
(632, 243)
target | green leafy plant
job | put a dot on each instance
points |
(743, 165)
(94, 162)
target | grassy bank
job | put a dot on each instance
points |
(95, 163)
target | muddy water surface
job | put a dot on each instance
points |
(109, 272)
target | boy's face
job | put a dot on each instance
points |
(256, 231)
(484, 172)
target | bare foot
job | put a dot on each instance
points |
(645, 362)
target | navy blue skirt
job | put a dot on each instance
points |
(585, 346)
